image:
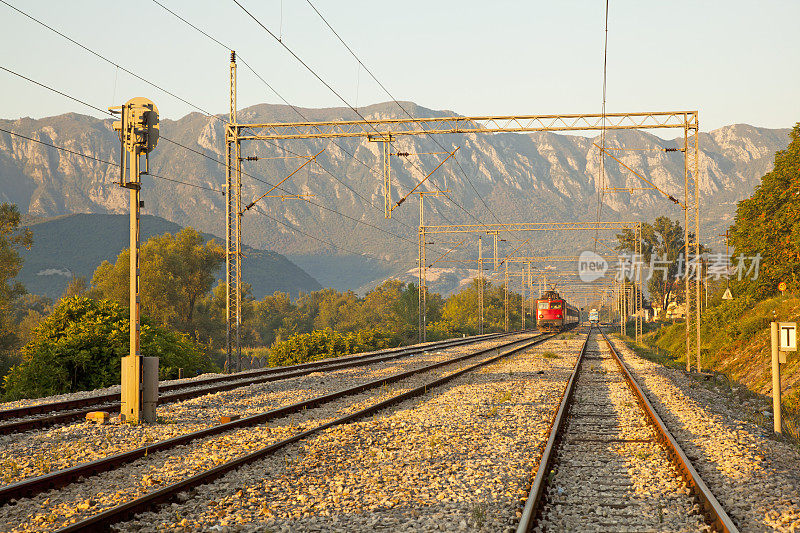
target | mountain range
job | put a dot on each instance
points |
(340, 236)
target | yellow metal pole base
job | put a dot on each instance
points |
(131, 389)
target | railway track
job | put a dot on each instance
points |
(24, 418)
(33, 486)
(610, 462)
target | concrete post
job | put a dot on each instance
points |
(776, 377)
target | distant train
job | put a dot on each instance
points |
(594, 316)
(553, 313)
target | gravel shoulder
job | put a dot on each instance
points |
(459, 457)
(41, 451)
(60, 507)
(755, 476)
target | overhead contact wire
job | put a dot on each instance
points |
(334, 91)
(294, 108)
(431, 136)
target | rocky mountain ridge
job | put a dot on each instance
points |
(520, 177)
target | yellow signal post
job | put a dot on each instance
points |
(138, 133)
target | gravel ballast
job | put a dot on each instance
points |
(79, 500)
(755, 476)
(611, 472)
(459, 457)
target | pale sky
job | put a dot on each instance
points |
(735, 62)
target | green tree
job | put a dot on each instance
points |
(176, 271)
(460, 311)
(340, 311)
(270, 314)
(768, 225)
(29, 311)
(663, 243)
(78, 286)
(12, 239)
(79, 347)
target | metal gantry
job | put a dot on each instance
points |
(475, 124)
(494, 229)
(233, 232)
(387, 129)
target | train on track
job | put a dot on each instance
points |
(594, 316)
(553, 313)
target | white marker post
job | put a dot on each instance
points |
(784, 339)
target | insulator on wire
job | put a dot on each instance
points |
(250, 158)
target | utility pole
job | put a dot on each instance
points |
(233, 232)
(530, 295)
(386, 145)
(138, 132)
(727, 261)
(524, 287)
(480, 285)
(638, 302)
(505, 285)
(422, 293)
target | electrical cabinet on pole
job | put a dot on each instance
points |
(138, 134)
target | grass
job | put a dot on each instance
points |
(478, 515)
(549, 355)
(10, 470)
(501, 398)
(735, 347)
(656, 354)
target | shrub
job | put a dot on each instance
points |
(79, 347)
(324, 343)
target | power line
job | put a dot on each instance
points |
(111, 163)
(87, 156)
(93, 158)
(201, 154)
(403, 108)
(97, 54)
(104, 111)
(314, 73)
(107, 60)
(285, 101)
(260, 211)
(602, 170)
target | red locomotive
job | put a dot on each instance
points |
(553, 313)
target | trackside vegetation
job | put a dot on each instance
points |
(79, 346)
(322, 344)
(76, 343)
(735, 334)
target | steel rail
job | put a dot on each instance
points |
(713, 510)
(715, 514)
(29, 410)
(548, 455)
(105, 519)
(60, 478)
(75, 409)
